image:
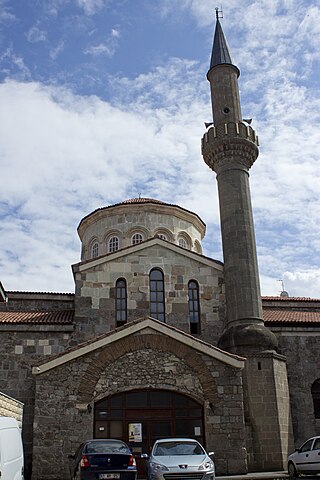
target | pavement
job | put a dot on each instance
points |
(256, 476)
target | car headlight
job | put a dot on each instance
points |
(158, 466)
(206, 466)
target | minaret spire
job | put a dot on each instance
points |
(230, 148)
(220, 52)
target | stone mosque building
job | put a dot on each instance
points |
(159, 340)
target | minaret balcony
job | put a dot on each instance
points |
(230, 141)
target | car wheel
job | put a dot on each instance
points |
(292, 470)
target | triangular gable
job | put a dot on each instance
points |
(148, 325)
(133, 249)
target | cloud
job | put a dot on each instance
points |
(70, 159)
(6, 15)
(14, 63)
(35, 35)
(55, 51)
(91, 7)
(76, 153)
(107, 48)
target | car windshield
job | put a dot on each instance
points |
(178, 448)
(106, 447)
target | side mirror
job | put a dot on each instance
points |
(144, 455)
(211, 454)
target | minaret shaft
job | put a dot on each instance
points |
(225, 98)
(239, 248)
(230, 147)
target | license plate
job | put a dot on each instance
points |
(107, 476)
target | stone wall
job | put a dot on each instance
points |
(20, 347)
(123, 221)
(95, 290)
(10, 407)
(62, 419)
(301, 348)
(30, 301)
(267, 412)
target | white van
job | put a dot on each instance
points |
(11, 450)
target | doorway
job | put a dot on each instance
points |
(141, 417)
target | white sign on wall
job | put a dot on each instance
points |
(135, 432)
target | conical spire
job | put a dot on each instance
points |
(220, 52)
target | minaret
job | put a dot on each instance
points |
(230, 147)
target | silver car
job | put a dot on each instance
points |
(306, 459)
(179, 458)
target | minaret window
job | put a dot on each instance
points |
(137, 238)
(194, 307)
(95, 250)
(157, 294)
(121, 302)
(315, 392)
(113, 244)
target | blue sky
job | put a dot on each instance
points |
(103, 100)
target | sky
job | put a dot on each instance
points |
(105, 100)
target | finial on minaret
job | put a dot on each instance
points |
(218, 12)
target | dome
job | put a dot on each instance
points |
(111, 228)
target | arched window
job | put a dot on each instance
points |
(157, 294)
(137, 238)
(95, 250)
(121, 302)
(194, 307)
(182, 243)
(113, 244)
(315, 392)
(162, 236)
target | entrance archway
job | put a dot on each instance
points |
(141, 417)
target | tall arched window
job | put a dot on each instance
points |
(121, 302)
(113, 244)
(95, 250)
(315, 392)
(157, 294)
(194, 307)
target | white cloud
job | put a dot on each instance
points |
(107, 48)
(75, 153)
(55, 51)
(6, 15)
(35, 35)
(90, 7)
(16, 64)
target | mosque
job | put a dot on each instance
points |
(158, 339)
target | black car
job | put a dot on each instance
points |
(105, 459)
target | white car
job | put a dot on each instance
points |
(179, 458)
(306, 459)
(11, 450)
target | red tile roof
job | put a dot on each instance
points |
(291, 299)
(273, 316)
(133, 201)
(62, 317)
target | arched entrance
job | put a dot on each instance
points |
(142, 416)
